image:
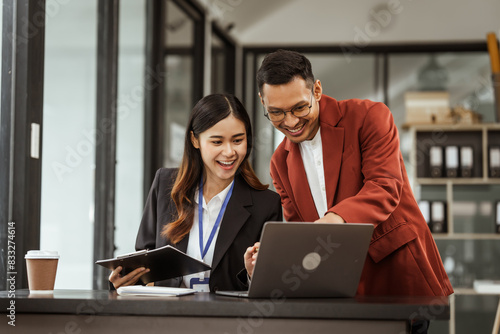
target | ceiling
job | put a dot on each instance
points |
(312, 22)
(346, 21)
(370, 22)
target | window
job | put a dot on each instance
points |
(69, 138)
(184, 81)
(223, 70)
(130, 124)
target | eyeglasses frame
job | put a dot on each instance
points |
(291, 111)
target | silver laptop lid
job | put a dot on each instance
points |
(310, 260)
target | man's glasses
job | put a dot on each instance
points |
(279, 115)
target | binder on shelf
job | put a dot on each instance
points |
(494, 163)
(487, 286)
(438, 217)
(436, 161)
(497, 220)
(425, 208)
(466, 161)
(451, 158)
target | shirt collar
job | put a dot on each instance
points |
(220, 196)
(312, 142)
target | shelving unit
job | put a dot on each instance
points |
(479, 137)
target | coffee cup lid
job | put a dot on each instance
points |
(41, 254)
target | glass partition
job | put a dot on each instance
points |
(465, 76)
(69, 138)
(179, 64)
(223, 72)
(474, 208)
(1, 25)
(130, 124)
(218, 65)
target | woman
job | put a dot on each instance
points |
(214, 178)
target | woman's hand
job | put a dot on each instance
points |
(250, 257)
(129, 279)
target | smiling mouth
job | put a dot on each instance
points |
(226, 163)
(296, 130)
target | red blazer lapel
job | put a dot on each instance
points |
(332, 139)
(300, 186)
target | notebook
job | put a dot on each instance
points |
(308, 260)
(153, 291)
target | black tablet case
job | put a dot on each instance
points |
(164, 263)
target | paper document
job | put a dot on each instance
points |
(139, 290)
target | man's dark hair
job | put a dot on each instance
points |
(282, 66)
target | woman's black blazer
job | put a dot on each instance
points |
(246, 212)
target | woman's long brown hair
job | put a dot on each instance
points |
(206, 113)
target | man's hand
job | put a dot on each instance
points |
(331, 217)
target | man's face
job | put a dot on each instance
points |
(294, 95)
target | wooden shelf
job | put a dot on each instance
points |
(453, 127)
(479, 137)
(470, 291)
(469, 181)
(466, 236)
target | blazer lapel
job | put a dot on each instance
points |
(332, 139)
(235, 217)
(183, 244)
(298, 182)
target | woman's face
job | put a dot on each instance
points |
(223, 147)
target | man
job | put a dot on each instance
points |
(340, 162)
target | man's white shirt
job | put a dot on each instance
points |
(312, 158)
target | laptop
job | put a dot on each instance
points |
(308, 260)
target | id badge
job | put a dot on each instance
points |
(200, 284)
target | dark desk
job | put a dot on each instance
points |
(85, 312)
